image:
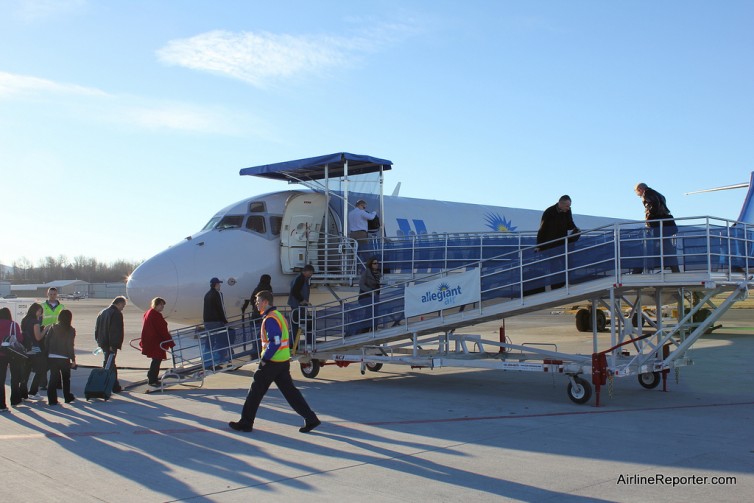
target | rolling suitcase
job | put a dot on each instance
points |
(101, 381)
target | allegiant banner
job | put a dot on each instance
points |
(443, 293)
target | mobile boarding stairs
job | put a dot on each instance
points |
(619, 270)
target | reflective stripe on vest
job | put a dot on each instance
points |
(283, 354)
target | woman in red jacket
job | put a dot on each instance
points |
(155, 339)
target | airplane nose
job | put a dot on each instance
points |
(157, 277)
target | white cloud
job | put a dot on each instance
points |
(145, 113)
(24, 85)
(180, 117)
(263, 58)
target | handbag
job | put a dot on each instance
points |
(12, 344)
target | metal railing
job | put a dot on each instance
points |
(702, 246)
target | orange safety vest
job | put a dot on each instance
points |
(283, 354)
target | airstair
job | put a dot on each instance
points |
(618, 270)
(434, 286)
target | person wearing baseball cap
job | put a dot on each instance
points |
(214, 318)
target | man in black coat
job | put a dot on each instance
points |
(556, 223)
(109, 333)
(661, 226)
(215, 345)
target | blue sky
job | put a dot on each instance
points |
(123, 124)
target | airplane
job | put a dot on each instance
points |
(265, 234)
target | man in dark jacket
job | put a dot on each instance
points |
(661, 225)
(556, 223)
(299, 296)
(215, 344)
(109, 332)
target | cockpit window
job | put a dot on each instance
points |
(256, 207)
(275, 224)
(256, 224)
(230, 222)
(211, 224)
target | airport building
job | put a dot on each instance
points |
(70, 289)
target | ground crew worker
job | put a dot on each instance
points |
(274, 366)
(50, 310)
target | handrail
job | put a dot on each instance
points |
(614, 252)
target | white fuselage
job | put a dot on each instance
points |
(241, 253)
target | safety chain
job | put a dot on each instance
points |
(610, 379)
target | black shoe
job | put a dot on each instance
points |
(156, 384)
(674, 268)
(53, 403)
(310, 426)
(117, 390)
(239, 426)
(70, 398)
(637, 271)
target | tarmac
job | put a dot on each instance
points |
(398, 435)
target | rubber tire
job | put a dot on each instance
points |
(649, 380)
(583, 320)
(374, 367)
(635, 320)
(581, 393)
(601, 320)
(701, 315)
(311, 370)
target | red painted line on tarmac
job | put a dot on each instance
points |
(552, 414)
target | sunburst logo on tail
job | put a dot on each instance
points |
(498, 223)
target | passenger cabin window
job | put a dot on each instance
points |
(256, 224)
(230, 222)
(275, 224)
(256, 207)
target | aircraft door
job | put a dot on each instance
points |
(301, 231)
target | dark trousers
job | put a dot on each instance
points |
(60, 372)
(36, 364)
(16, 375)
(668, 252)
(106, 353)
(280, 374)
(154, 370)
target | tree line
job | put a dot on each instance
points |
(83, 268)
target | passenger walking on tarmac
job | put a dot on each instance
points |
(52, 308)
(8, 358)
(556, 223)
(61, 358)
(264, 285)
(109, 333)
(155, 339)
(214, 318)
(661, 226)
(36, 366)
(299, 296)
(358, 223)
(274, 367)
